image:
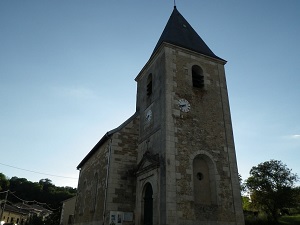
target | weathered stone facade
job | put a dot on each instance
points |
(167, 165)
(106, 181)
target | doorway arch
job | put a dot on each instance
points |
(148, 205)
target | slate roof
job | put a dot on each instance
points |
(179, 32)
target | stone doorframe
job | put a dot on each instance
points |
(149, 178)
(147, 205)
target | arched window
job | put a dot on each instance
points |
(198, 78)
(204, 180)
(149, 85)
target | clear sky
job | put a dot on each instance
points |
(67, 72)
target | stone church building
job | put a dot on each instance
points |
(173, 162)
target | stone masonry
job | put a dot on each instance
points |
(168, 165)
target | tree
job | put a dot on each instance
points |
(24, 189)
(271, 187)
(242, 185)
(4, 182)
(35, 220)
(53, 219)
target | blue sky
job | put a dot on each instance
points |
(67, 72)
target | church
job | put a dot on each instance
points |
(173, 162)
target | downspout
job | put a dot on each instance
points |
(107, 176)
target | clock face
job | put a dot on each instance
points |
(184, 105)
(149, 115)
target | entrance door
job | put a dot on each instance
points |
(148, 205)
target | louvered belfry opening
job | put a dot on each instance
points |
(149, 85)
(198, 78)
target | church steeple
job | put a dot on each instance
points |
(179, 32)
(173, 162)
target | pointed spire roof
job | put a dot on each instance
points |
(179, 32)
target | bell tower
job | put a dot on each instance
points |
(187, 169)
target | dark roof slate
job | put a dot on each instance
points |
(179, 32)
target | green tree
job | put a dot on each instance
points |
(44, 193)
(35, 220)
(271, 187)
(24, 189)
(246, 203)
(53, 219)
(4, 182)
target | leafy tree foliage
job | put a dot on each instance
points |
(4, 182)
(35, 220)
(271, 186)
(246, 203)
(43, 191)
(53, 219)
(242, 185)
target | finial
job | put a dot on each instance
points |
(174, 4)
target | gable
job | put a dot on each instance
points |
(103, 140)
(148, 162)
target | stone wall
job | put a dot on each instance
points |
(205, 131)
(119, 154)
(197, 179)
(122, 181)
(91, 188)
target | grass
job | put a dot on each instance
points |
(284, 220)
(290, 220)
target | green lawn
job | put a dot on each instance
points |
(285, 220)
(290, 220)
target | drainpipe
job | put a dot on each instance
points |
(107, 175)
